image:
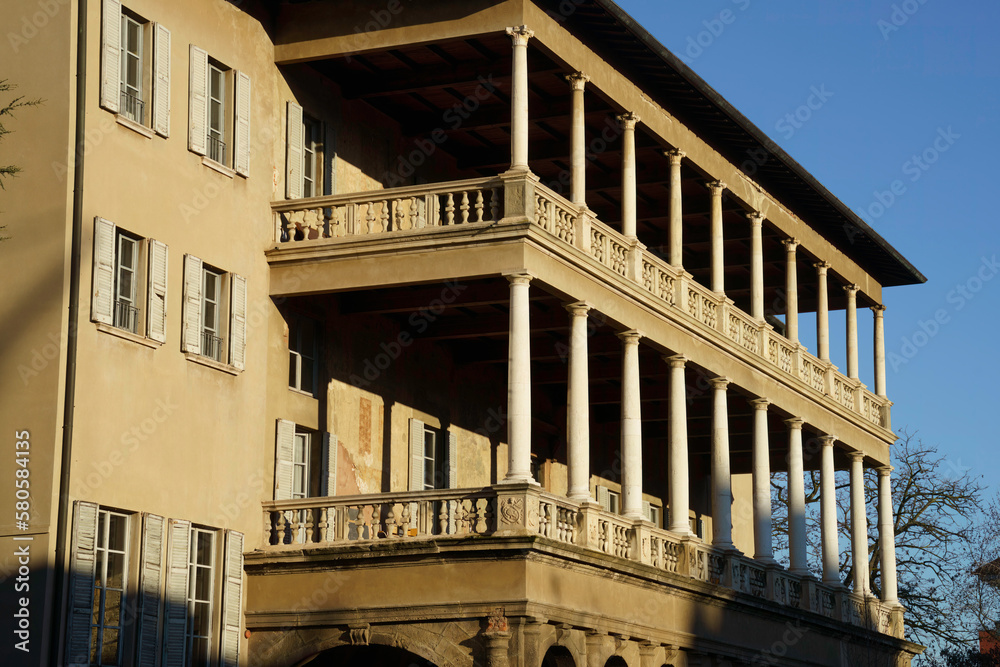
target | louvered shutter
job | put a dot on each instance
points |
(150, 579)
(111, 45)
(416, 455)
(294, 152)
(241, 126)
(328, 477)
(175, 610)
(198, 101)
(451, 471)
(161, 80)
(102, 305)
(156, 311)
(329, 157)
(284, 454)
(647, 510)
(603, 498)
(238, 322)
(83, 560)
(232, 599)
(191, 336)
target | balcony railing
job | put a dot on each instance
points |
(425, 207)
(211, 345)
(505, 510)
(126, 316)
(132, 107)
(216, 149)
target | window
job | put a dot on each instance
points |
(125, 266)
(304, 157)
(135, 68)
(305, 465)
(310, 163)
(433, 457)
(610, 500)
(653, 513)
(111, 573)
(209, 296)
(201, 582)
(303, 342)
(219, 112)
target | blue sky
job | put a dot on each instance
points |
(905, 97)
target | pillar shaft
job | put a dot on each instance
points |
(859, 524)
(796, 500)
(519, 383)
(631, 427)
(676, 210)
(519, 97)
(791, 291)
(718, 239)
(757, 265)
(763, 550)
(578, 150)
(887, 535)
(628, 122)
(879, 343)
(822, 313)
(852, 330)
(722, 491)
(578, 408)
(677, 448)
(828, 514)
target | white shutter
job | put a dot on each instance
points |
(102, 305)
(82, 567)
(232, 595)
(647, 510)
(238, 322)
(175, 611)
(150, 578)
(156, 311)
(416, 455)
(603, 498)
(294, 152)
(161, 80)
(111, 45)
(241, 126)
(451, 471)
(328, 476)
(198, 101)
(284, 454)
(191, 336)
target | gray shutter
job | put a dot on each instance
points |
(102, 304)
(232, 611)
(198, 101)
(161, 80)
(175, 611)
(238, 322)
(603, 498)
(111, 45)
(328, 476)
(82, 566)
(647, 510)
(284, 452)
(416, 455)
(156, 311)
(150, 579)
(451, 471)
(191, 336)
(241, 126)
(294, 152)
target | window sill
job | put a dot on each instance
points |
(218, 166)
(300, 392)
(138, 128)
(211, 363)
(128, 335)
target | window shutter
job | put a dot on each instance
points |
(161, 80)
(647, 510)
(150, 578)
(284, 453)
(175, 610)
(102, 305)
(451, 472)
(111, 45)
(294, 152)
(329, 155)
(241, 127)
(156, 312)
(232, 599)
(604, 498)
(238, 322)
(328, 478)
(82, 567)
(416, 455)
(191, 336)
(198, 101)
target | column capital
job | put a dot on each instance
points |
(676, 361)
(884, 471)
(791, 244)
(851, 289)
(628, 120)
(577, 80)
(822, 267)
(760, 403)
(756, 218)
(879, 310)
(578, 308)
(827, 440)
(716, 188)
(720, 382)
(519, 278)
(676, 155)
(520, 34)
(630, 337)
(795, 423)
(856, 456)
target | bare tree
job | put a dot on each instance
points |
(10, 170)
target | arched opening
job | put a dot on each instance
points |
(558, 656)
(369, 656)
(616, 661)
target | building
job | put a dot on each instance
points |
(403, 332)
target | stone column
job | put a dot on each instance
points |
(628, 122)
(722, 490)
(887, 535)
(578, 409)
(879, 312)
(761, 483)
(828, 513)
(718, 239)
(519, 98)
(791, 291)
(756, 265)
(676, 210)
(519, 383)
(677, 448)
(852, 330)
(631, 427)
(859, 524)
(578, 152)
(796, 500)
(822, 313)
